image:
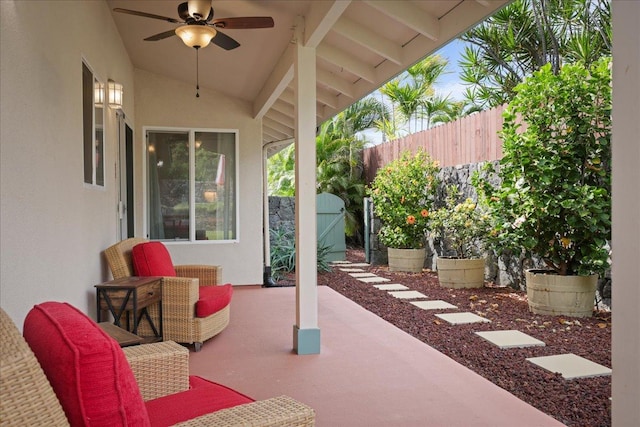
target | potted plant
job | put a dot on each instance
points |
(402, 193)
(460, 226)
(554, 201)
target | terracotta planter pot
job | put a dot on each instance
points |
(460, 273)
(408, 260)
(555, 295)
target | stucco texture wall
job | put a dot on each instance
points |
(52, 226)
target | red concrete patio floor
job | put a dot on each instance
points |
(369, 373)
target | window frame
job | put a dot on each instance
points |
(191, 131)
(97, 171)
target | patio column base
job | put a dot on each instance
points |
(306, 341)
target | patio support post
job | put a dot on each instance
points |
(625, 149)
(306, 334)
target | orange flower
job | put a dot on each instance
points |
(411, 219)
(424, 213)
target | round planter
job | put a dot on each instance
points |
(460, 272)
(555, 295)
(408, 260)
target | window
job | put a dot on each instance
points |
(93, 127)
(191, 185)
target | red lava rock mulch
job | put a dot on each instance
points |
(578, 402)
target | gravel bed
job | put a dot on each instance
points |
(578, 402)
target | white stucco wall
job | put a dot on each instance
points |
(53, 227)
(163, 102)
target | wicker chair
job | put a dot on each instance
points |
(160, 369)
(179, 296)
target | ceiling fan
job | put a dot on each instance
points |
(199, 28)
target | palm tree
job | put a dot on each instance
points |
(412, 91)
(406, 97)
(436, 106)
(527, 34)
(281, 173)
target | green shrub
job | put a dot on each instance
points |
(283, 253)
(555, 195)
(403, 193)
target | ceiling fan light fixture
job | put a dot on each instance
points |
(197, 36)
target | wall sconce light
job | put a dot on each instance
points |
(98, 94)
(114, 94)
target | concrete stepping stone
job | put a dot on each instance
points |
(352, 270)
(433, 305)
(570, 366)
(356, 275)
(373, 279)
(510, 339)
(407, 294)
(391, 287)
(340, 262)
(359, 264)
(462, 318)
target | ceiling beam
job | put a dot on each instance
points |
(321, 17)
(283, 107)
(288, 96)
(410, 15)
(275, 84)
(369, 39)
(277, 136)
(266, 121)
(346, 61)
(322, 95)
(326, 97)
(331, 80)
(281, 118)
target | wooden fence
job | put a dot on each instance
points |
(471, 139)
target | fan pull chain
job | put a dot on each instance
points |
(197, 74)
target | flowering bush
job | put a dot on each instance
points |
(462, 227)
(555, 196)
(402, 194)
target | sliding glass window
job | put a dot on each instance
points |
(191, 185)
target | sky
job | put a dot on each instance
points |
(449, 83)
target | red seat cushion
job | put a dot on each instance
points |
(213, 299)
(152, 259)
(86, 368)
(202, 398)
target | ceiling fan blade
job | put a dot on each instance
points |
(147, 15)
(160, 36)
(224, 41)
(246, 22)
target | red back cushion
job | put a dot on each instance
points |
(152, 259)
(86, 368)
